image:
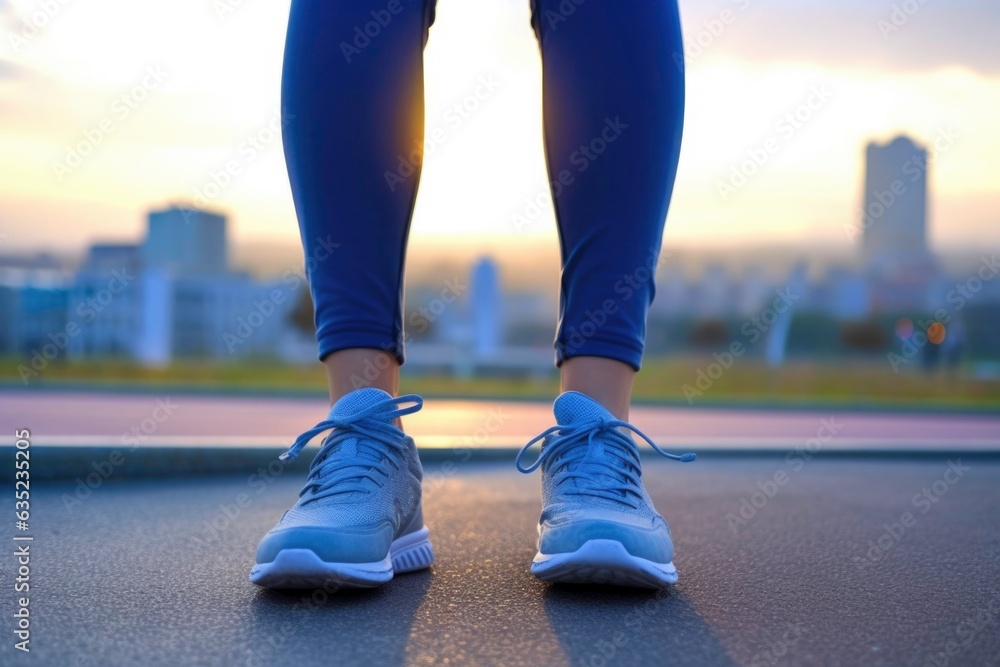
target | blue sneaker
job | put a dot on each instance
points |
(598, 524)
(358, 519)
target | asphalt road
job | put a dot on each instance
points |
(136, 574)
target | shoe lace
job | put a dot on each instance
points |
(380, 447)
(615, 477)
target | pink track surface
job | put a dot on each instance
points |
(79, 414)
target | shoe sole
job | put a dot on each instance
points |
(303, 568)
(603, 562)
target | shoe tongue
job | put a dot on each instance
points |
(573, 407)
(353, 403)
(359, 400)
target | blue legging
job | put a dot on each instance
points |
(613, 92)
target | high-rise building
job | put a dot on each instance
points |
(486, 318)
(899, 266)
(185, 242)
(895, 209)
(104, 301)
(173, 296)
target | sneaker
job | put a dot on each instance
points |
(358, 519)
(598, 524)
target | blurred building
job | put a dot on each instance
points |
(33, 307)
(483, 332)
(186, 242)
(895, 196)
(104, 302)
(529, 319)
(753, 290)
(901, 270)
(842, 293)
(714, 295)
(232, 315)
(174, 296)
(672, 293)
(486, 314)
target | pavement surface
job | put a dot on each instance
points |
(819, 571)
(99, 419)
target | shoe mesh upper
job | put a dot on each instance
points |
(394, 498)
(575, 408)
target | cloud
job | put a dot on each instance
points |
(9, 70)
(895, 34)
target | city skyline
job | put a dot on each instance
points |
(172, 294)
(773, 152)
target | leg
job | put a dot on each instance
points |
(347, 370)
(607, 381)
(613, 96)
(352, 94)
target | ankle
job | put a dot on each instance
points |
(358, 368)
(607, 381)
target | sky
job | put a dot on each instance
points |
(164, 94)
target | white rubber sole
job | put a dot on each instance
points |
(603, 562)
(302, 568)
